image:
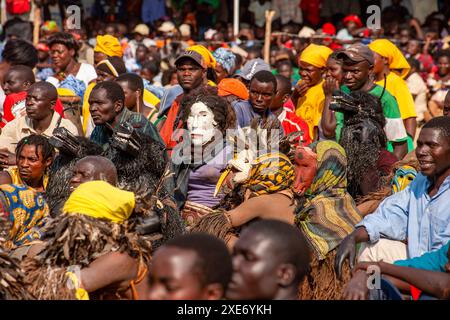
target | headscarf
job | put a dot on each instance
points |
(27, 210)
(226, 58)
(72, 86)
(270, 173)
(233, 86)
(397, 61)
(316, 55)
(50, 25)
(99, 199)
(109, 45)
(113, 66)
(329, 213)
(354, 18)
(206, 54)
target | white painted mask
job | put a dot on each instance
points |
(201, 124)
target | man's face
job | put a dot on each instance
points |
(141, 53)
(37, 103)
(285, 70)
(83, 171)
(309, 73)
(355, 76)
(13, 83)
(255, 269)
(190, 74)
(261, 95)
(433, 152)
(31, 166)
(173, 276)
(280, 98)
(130, 95)
(443, 66)
(102, 108)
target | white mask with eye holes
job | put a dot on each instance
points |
(201, 124)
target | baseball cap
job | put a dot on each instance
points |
(357, 52)
(142, 29)
(253, 66)
(193, 55)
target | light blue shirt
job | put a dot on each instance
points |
(413, 215)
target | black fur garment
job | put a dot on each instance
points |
(61, 172)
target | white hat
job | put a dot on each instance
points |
(209, 34)
(167, 26)
(142, 29)
(306, 32)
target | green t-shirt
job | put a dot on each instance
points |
(394, 128)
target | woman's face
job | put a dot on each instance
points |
(104, 76)
(61, 56)
(334, 69)
(413, 47)
(141, 53)
(220, 72)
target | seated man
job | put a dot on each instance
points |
(420, 277)
(270, 260)
(93, 168)
(34, 155)
(107, 108)
(190, 267)
(41, 118)
(417, 214)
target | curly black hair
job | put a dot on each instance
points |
(37, 141)
(65, 39)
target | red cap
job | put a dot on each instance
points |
(355, 19)
(328, 28)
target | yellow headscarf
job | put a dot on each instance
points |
(109, 45)
(99, 199)
(206, 54)
(397, 62)
(316, 55)
(270, 173)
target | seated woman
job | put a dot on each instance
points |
(34, 155)
(202, 154)
(322, 208)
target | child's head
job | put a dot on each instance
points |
(133, 88)
(284, 89)
(149, 70)
(415, 65)
(18, 78)
(284, 68)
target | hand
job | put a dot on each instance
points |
(7, 158)
(329, 85)
(301, 88)
(347, 249)
(357, 288)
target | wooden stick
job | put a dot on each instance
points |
(37, 25)
(267, 36)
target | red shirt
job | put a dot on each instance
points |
(14, 106)
(292, 123)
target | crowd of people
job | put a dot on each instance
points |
(169, 158)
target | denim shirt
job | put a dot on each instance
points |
(414, 216)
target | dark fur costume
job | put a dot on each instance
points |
(71, 149)
(362, 137)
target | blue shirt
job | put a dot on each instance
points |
(432, 261)
(413, 215)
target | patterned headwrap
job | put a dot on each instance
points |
(73, 84)
(27, 210)
(226, 58)
(270, 173)
(329, 213)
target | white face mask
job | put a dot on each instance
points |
(201, 124)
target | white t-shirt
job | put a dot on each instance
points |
(86, 74)
(418, 88)
(259, 11)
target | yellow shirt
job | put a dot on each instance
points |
(15, 177)
(399, 89)
(310, 107)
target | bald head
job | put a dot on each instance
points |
(45, 87)
(93, 168)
